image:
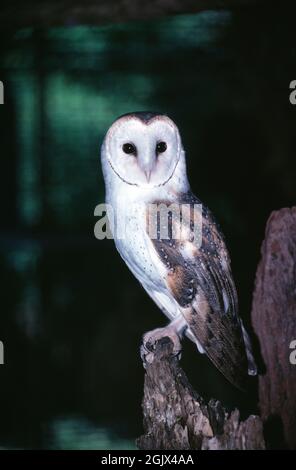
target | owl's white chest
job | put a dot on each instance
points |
(134, 244)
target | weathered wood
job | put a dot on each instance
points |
(176, 417)
(274, 320)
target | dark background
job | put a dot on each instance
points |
(71, 314)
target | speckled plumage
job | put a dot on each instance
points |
(192, 284)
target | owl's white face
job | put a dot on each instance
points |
(143, 149)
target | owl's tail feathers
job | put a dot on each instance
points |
(252, 368)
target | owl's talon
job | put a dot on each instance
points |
(146, 356)
(179, 355)
(149, 342)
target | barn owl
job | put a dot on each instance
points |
(143, 164)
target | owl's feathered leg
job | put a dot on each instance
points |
(173, 330)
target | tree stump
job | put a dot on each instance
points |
(274, 321)
(177, 418)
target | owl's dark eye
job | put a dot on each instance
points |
(161, 147)
(129, 148)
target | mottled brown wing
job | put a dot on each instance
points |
(201, 282)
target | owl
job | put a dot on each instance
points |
(186, 271)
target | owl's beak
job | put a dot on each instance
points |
(146, 163)
(147, 170)
(148, 175)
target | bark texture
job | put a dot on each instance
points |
(274, 320)
(177, 418)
